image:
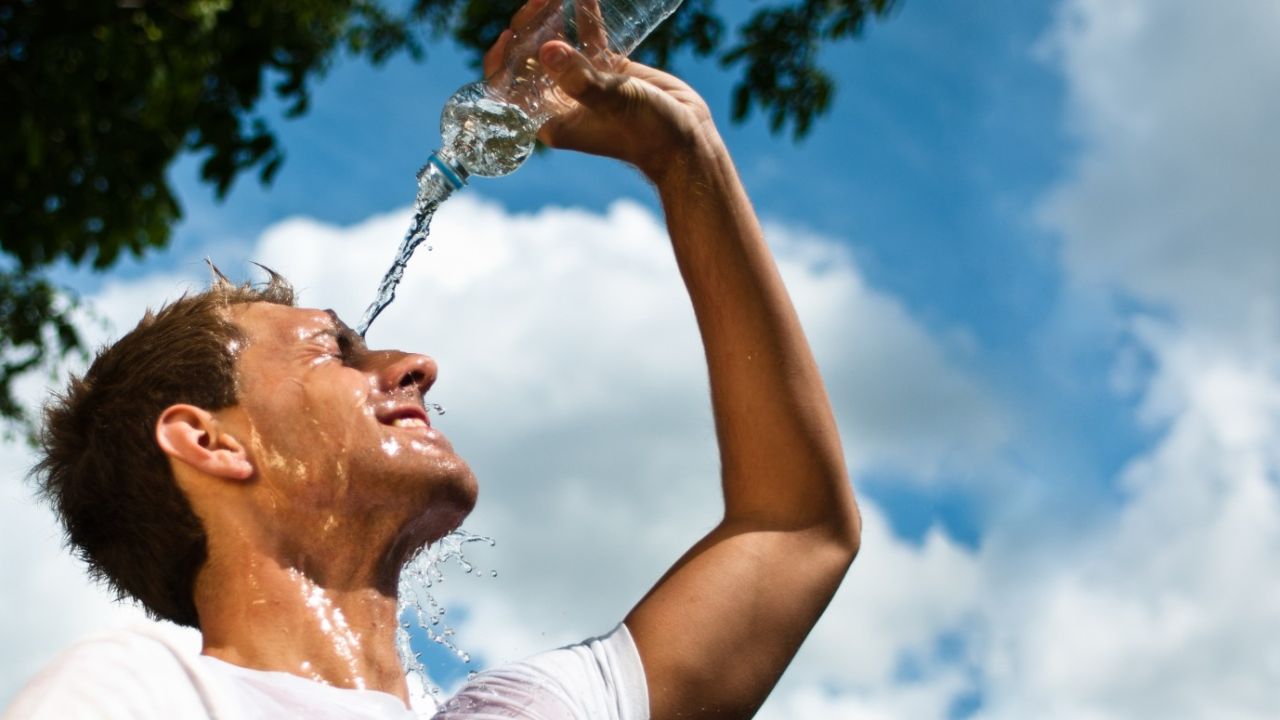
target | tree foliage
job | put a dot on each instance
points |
(103, 96)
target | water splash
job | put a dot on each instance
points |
(420, 574)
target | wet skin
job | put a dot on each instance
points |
(313, 489)
(340, 438)
(715, 633)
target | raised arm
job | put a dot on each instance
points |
(720, 627)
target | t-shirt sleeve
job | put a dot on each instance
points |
(120, 675)
(599, 679)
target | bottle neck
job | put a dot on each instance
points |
(443, 168)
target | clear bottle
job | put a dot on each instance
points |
(489, 128)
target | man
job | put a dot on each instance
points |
(251, 469)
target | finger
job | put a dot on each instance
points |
(591, 30)
(493, 59)
(527, 13)
(576, 77)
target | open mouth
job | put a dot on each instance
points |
(409, 416)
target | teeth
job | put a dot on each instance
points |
(408, 422)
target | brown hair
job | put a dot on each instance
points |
(101, 468)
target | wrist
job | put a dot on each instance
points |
(697, 153)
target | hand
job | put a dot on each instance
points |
(631, 112)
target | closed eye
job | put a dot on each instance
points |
(340, 342)
(345, 348)
(327, 346)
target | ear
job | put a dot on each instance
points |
(194, 436)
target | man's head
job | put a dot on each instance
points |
(233, 412)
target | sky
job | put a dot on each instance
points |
(1034, 248)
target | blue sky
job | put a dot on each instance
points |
(1034, 247)
(946, 130)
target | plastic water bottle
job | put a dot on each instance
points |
(489, 128)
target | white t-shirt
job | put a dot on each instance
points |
(142, 673)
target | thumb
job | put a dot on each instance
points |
(575, 75)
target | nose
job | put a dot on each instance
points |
(400, 370)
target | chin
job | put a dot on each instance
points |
(449, 506)
(441, 505)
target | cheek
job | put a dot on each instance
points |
(332, 401)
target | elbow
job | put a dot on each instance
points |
(849, 532)
(840, 524)
(841, 531)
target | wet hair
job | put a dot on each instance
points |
(101, 468)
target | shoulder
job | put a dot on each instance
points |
(598, 678)
(142, 671)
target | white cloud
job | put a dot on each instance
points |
(575, 384)
(931, 699)
(1171, 200)
(893, 608)
(903, 400)
(571, 366)
(1171, 613)
(1168, 610)
(901, 598)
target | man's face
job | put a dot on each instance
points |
(338, 434)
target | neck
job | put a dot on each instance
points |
(258, 612)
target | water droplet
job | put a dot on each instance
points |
(493, 573)
(416, 600)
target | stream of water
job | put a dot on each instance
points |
(431, 192)
(481, 137)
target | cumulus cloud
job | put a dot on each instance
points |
(934, 699)
(1168, 610)
(904, 403)
(574, 377)
(885, 620)
(574, 383)
(1171, 198)
(1171, 613)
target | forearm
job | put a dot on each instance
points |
(782, 463)
(719, 628)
